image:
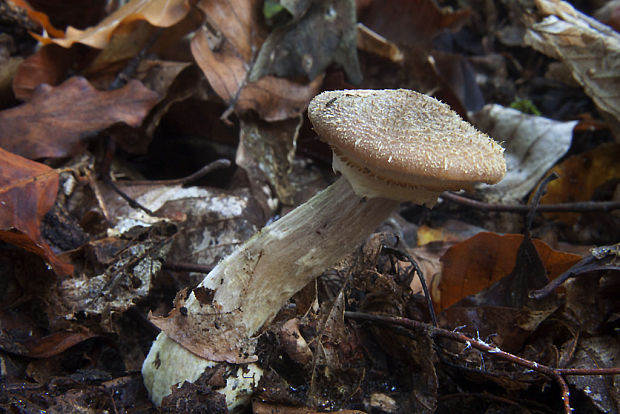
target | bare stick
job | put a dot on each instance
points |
(583, 206)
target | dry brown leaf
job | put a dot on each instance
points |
(476, 263)
(580, 176)
(56, 343)
(47, 65)
(27, 192)
(590, 49)
(225, 58)
(57, 120)
(160, 13)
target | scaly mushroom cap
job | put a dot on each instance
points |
(403, 145)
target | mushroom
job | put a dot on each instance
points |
(389, 146)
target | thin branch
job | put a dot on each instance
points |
(215, 165)
(404, 255)
(187, 267)
(583, 206)
(555, 373)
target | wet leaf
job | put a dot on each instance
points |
(39, 17)
(27, 192)
(57, 121)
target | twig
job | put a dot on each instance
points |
(215, 165)
(132, 66)
(583, 206)
(555, 373)
(404, 255)
(585, 265)
(535, 204)
(132, 203)
(186, 267)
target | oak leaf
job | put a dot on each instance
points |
(56, 122)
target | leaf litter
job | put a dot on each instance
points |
(220, 79)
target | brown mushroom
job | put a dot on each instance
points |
(391, 145)
(403, 145)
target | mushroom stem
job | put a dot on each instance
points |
(262, 274)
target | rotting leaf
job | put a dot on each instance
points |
(533, 145)
(224, 50)
(27, 192)
(57, 120)
(126, 278)
(528, 274)
(215, 221)
(598, 352)
(325, 33)
(476, 263)
(266, 152)
(589, 48)
(207, 332)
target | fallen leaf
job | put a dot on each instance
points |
(47, 65)
(476, 263)
(67, 12)
(533, 145)
(324, 34)
(589, 48)
(580, 176)
(226, 56)
(208, 332)
(411, 22)
(115, 283)
(266, 152)
(159, 13)
(56, 122)
(55, 343)
(597, 352)
(374, 43)
(27, 192)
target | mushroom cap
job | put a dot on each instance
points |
(403, 144)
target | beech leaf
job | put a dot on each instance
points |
(27, 192)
